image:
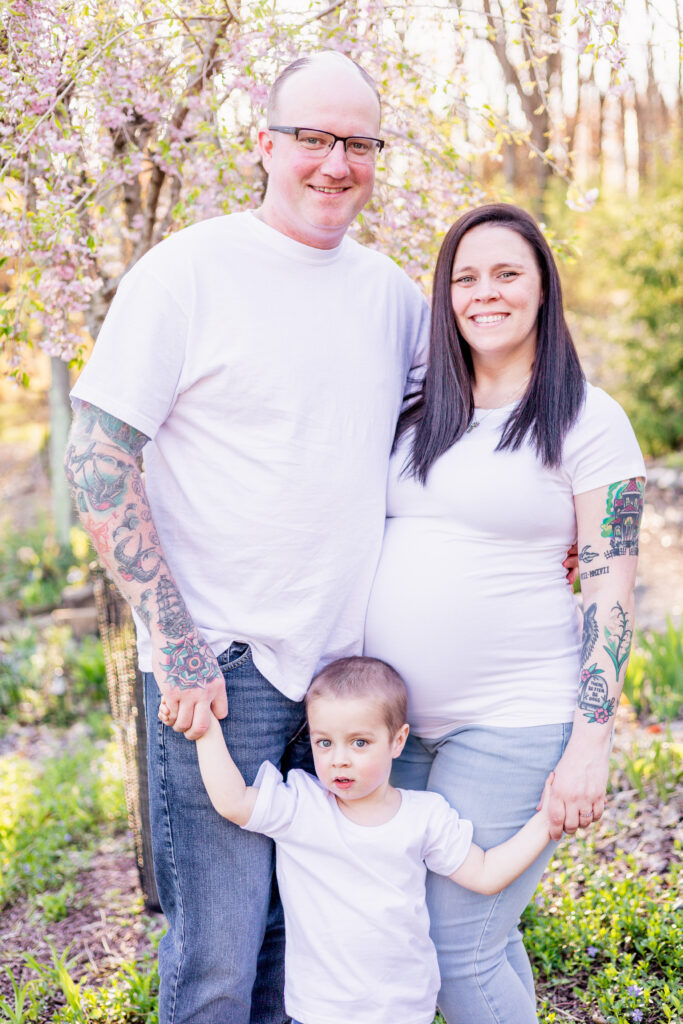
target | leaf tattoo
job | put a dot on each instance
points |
(586, 554)
(618, 644)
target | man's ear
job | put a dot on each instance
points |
(265, 145)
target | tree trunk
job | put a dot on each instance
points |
(60, 422)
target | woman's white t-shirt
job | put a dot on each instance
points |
(470, 602)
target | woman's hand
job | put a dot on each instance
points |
(577, 793)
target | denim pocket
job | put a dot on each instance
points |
(236, 655)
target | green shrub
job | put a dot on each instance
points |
(49, 676)
(654, 678)
(35, 569)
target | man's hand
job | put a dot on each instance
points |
(571, 564)
(191, 684)
(577, 794)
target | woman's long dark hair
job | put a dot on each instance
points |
(444, 406)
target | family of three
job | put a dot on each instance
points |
(340, 487)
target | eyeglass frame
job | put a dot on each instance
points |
(288, 130)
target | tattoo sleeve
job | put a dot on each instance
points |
(101, 465)
(609, 514)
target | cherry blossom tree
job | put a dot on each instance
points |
(124, 121)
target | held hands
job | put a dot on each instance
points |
(191, 684)
(577, 791)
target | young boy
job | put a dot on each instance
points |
(353, 852)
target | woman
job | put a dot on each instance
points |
(506, 456)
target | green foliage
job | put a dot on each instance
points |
(35, 569)
(49, 676)
(130, 996)
(624, 294)
(654, 678)
(51, 815)
(611, 935)
(656, 767)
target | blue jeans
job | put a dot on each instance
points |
(495, 778)
(222, 958)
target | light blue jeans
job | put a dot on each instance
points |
(495, 778)
(222, 958)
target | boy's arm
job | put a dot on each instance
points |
(224, 783)
(489, 871)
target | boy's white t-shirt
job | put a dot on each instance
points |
(269, 376)
(470, 603)
(357, 949)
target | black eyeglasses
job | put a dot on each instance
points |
(358, 148)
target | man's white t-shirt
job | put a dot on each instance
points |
(269, 376)
(470, 603)
(357, 949)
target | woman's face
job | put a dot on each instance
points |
(496, 294)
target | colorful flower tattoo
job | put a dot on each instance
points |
(188, 666)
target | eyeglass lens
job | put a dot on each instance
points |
(358, 150)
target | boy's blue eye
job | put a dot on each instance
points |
(324, 743)
(361, 743)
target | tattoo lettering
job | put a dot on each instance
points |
(618, 639)
(590, 633)
(624, 512)
(586, 554)
(174, 619)
(593, 696)
(103, 479)
(602, 571)
(142, 564)
(187, 665)
(143, 608)
(125, 436)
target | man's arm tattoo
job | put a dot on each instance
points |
(187, 665)
(122, 434)
(586, 554)
(622, 522)
(174, 619)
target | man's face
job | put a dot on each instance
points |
(314, 200)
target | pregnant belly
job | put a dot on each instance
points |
(477, 634)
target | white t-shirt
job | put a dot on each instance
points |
(358, 949)
(470, 602)
(269, 376)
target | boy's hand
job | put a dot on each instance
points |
(544, 802)
(164, 712)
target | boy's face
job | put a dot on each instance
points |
(352, 747)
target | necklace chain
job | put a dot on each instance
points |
(506, 401)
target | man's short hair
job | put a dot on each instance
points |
(364, 677)
(300, 65)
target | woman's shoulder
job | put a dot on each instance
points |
(600, 410)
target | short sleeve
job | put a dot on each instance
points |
(276, 803)
(601, 448)
(447, 837)
(138, 358)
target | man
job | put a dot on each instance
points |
(259, 360)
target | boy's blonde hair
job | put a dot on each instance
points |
(364, 677)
